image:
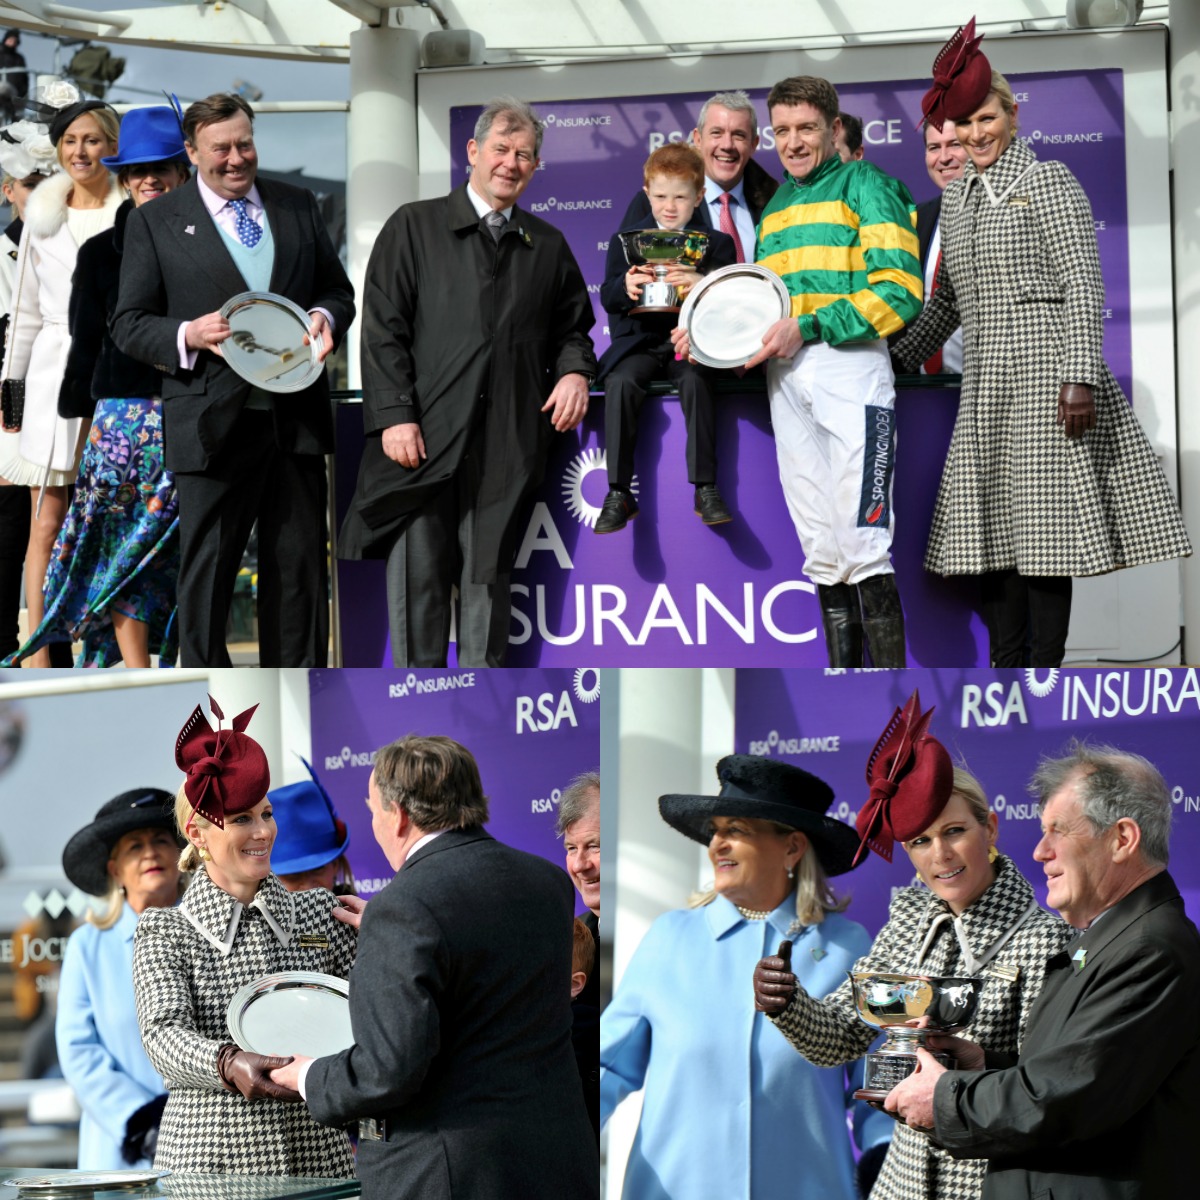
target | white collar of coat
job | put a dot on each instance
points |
(46, 211)
(215, 914)
(1003, 176)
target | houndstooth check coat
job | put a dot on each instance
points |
(919, 936)
(188, 962)
(1021, 273)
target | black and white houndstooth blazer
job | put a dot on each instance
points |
(1021, 273)
(188, 962)
(828, 1032)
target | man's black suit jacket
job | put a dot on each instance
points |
(1102, 1101)
(176, 267)
(460, 1006)
(928, 212)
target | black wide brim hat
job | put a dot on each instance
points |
(771, 791)
(85, 859)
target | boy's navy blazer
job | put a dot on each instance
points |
(629, 333)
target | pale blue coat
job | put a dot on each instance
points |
(731, 1111)
(99, 1042)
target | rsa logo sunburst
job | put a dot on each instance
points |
(579, 468)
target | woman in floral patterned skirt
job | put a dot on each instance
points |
(111, 581)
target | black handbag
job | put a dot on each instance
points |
(12, 404)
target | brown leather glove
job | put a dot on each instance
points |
(774, 983)
(1076, 409)
(242, 1071)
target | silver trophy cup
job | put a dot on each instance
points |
(890, 1002)
(662, 249)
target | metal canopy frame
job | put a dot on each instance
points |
(526, 30)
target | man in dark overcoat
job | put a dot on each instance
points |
(239, 454)
(475, 350)
(462, 1076)
(1101, 1101)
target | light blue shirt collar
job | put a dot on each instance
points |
(712, 192)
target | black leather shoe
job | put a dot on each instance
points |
(618, 510)
(710, 508)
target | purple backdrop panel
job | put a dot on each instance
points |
(531, 732)
(996, 722)
(593, 151)
(669, 590)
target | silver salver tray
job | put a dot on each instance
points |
(76, 1182)
(727, 313)
(292, 1012)
(266, 347)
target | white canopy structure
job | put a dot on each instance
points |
(388, 46)
(526, 30)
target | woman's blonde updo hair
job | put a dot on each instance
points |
(971, 790)
(185, 815)
(110, 126)
(1000, 88)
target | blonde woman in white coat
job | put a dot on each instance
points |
(60, 216)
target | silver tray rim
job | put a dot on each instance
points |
(693, 297)
(243, 300)
(244, 997)
(59, 1183)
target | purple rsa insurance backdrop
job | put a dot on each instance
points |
(593, 151)
(531, 732)
(997, 723)
(669, 591)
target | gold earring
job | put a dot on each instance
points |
(204, 854)
(993, 854)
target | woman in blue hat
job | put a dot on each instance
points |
(112, 575)
(311, 839)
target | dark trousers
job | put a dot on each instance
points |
(253, 479)
(14, 537)
(624, 391)
(435, 553)
(1027, 618)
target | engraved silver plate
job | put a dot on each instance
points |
(292, 1012)
(74, 1182)
(266, 347)
(727, 313)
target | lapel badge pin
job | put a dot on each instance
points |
(818, 953)
(190, 229)
(1079, 958)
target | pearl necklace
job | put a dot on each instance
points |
(752, 914)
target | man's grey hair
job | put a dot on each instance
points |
(1112, 784)
(577, 800)
(513, 115)
(734, 101)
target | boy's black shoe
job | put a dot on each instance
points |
(618, 510)
(710, 508)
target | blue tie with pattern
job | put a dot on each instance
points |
(248, 229)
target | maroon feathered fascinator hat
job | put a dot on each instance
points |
(227, 770)
(962, 78)
(910, 776)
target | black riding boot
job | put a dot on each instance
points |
(883, 621)
(843, 624)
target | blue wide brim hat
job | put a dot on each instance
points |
(148, 135)
(309, 831)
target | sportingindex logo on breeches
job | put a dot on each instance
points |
(879, 456)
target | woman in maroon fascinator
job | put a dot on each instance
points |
(972, 914)
(1049, 475)
(235, 924)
